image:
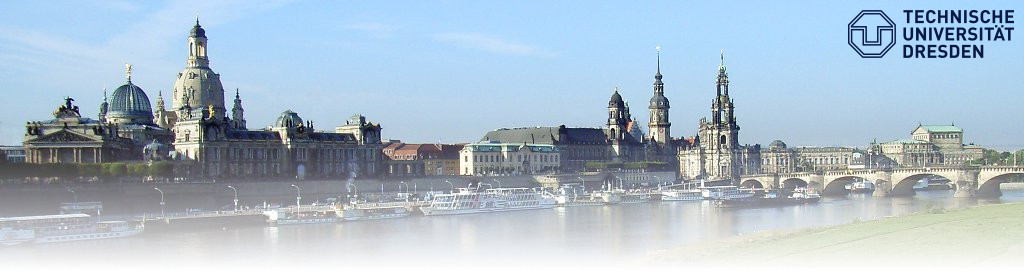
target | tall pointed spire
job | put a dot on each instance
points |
(658, 74)
(659, 124)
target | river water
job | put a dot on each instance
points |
(588, 235)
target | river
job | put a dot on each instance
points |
(588, 235)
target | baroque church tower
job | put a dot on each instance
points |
(618, 117)
(197, 87)
(198, 114)
(716, 153)
(659, 124)
(237, 113)
(721, 132)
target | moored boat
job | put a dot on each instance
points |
(470, 201)
(680, 195)
(357, 212)
(771, 198)
(63, 228)
(862, 186)
(317, 214)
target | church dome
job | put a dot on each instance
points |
(288, 118)
(198, 31)
(659, 101)
(616, 100)
(777, 144)
(130, 105)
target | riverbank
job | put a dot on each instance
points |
(976, 237)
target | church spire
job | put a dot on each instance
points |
(237, 113)
(659, 124)
(657, 76)
(659, 87)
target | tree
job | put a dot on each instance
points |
(161, 169)
(115, 169)
(138, 169)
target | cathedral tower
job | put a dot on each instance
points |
(659, 124)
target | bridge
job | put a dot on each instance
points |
(968, 181)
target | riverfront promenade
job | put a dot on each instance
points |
(975, 237)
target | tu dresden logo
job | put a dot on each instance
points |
(872, 34)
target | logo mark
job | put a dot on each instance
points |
(872, 34)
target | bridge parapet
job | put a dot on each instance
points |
(1002, 169)
(796, 175)
(850, 172)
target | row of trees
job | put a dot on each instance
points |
(117, 169)
(992, 157)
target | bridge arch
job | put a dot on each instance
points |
(752, 183)
(794, 183)
(990, 187)
(905, 186)
(838, 185)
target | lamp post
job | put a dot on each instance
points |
(450, 183)
(73, 194)
(298, 196)
(355, 192)
(497, 181)
(584, 183)
(236, 197)
(161, 202)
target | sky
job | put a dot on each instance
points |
(449, 71)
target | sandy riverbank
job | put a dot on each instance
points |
(978, 237)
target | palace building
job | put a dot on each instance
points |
(620, 140)
(197, 132)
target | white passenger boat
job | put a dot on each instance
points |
(724, 193)
(681, 195)
(861, 186)
(354, 212)
(316, 214)
(805, 195)
(63, 228)
(636, 196)
(573, 195)
(610, 196)
(470, 201)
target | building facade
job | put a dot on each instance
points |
(413, 160)
(930, 145)
(71, 138)
(12, 154)
(495, 158)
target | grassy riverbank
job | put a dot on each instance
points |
(990, 235)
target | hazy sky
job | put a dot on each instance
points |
(453, 70)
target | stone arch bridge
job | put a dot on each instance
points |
(969, 181)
